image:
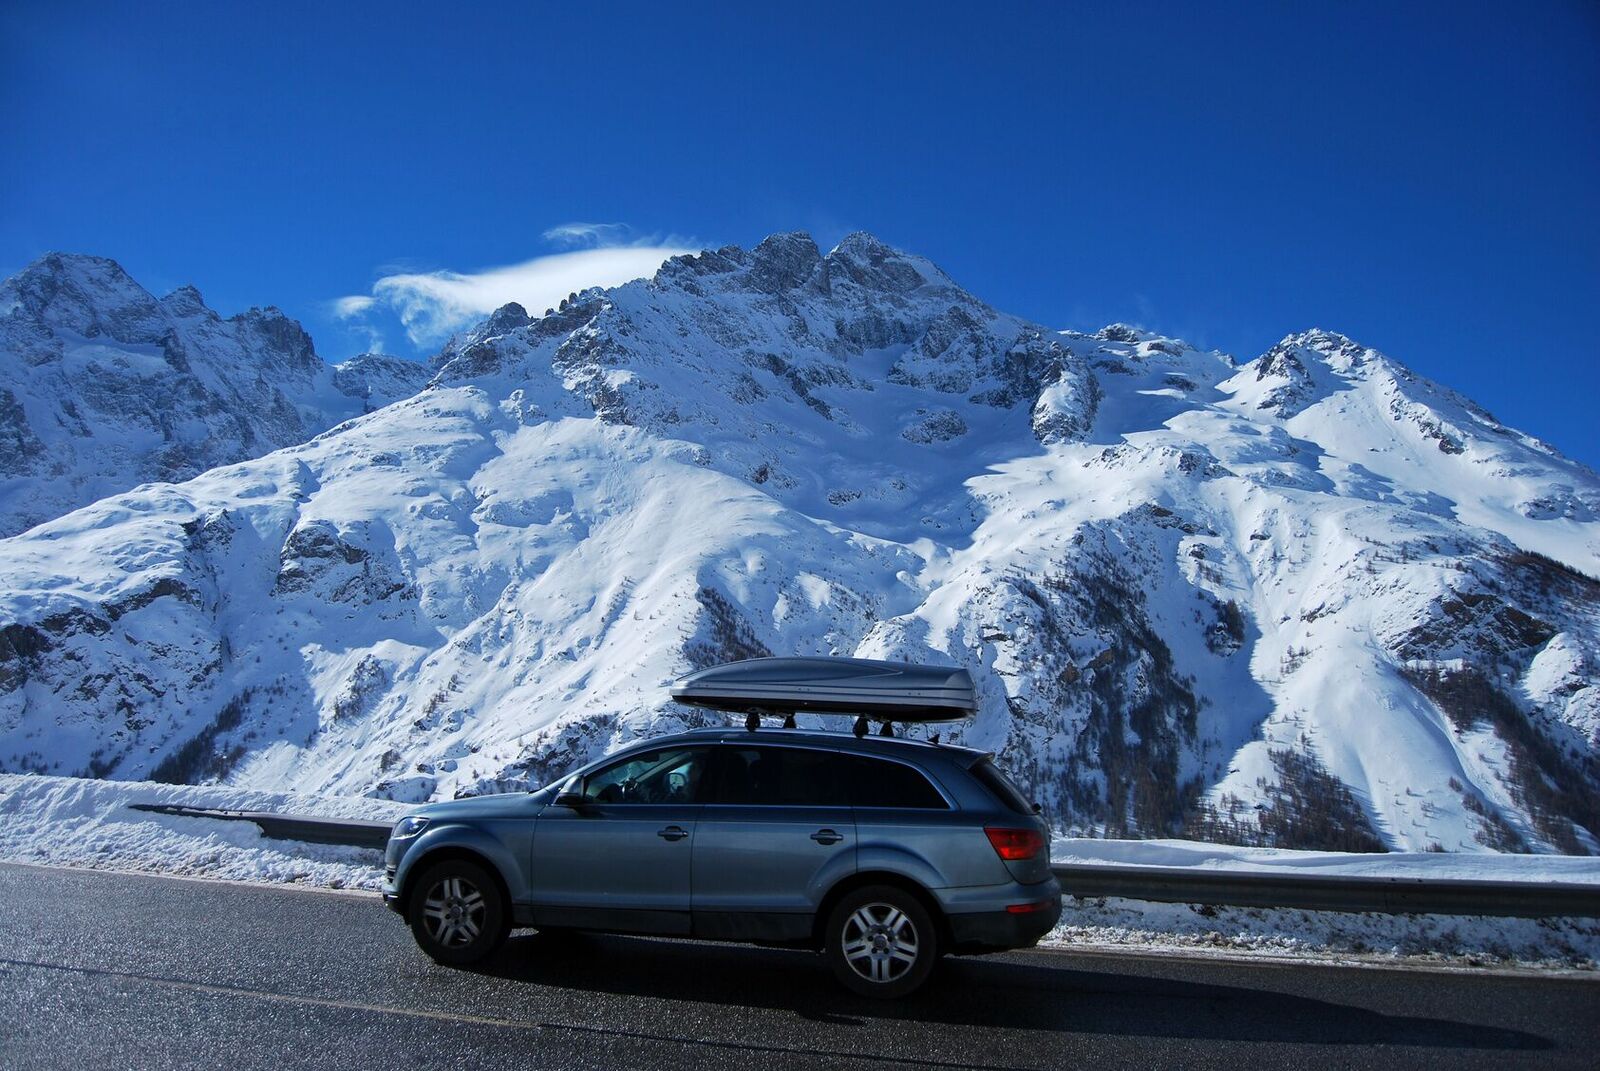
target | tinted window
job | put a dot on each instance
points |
(1000, 786)
(670, 775)
(880, 783)
(781, 777)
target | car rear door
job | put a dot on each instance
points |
(776, 831)
(621, 860)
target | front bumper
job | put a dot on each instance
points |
(391, 893)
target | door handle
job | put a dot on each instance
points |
(827, 836)
(672, 833)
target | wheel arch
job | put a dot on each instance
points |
(863, 879)
(445, 853)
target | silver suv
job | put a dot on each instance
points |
(884, 853)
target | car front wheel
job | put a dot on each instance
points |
(881, 942)
(458, 914)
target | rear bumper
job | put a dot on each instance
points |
(1033, 912)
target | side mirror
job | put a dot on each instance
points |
(570, 799)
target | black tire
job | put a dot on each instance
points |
(458, 913)
(881, 942)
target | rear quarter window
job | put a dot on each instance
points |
(1000, 786)
(882, 783)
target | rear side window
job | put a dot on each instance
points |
(781, 777)
(1000, 786)
(880, 783)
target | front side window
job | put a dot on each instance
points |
(670, 775)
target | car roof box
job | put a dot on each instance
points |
(891, 691)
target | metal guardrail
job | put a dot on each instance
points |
(1330, 892)
(350, 832)
(1310, 892)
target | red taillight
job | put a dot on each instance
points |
(1015, 845)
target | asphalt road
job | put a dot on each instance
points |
(101, 970)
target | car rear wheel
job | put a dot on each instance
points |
(458, 914)
(881, 942)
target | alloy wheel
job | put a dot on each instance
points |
(453, 912)
(879, 942)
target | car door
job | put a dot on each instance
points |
(775, 833)
(621, 859)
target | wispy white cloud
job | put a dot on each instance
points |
(346, 308)
(434, 304)
(592, 234)
(354, 309)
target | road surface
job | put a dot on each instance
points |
(104, 970)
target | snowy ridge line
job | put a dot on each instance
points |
(1320, 892)
(349, 832)
(1394, 896)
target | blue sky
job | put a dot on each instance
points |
(1424, 179)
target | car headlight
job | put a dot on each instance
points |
(407, 828)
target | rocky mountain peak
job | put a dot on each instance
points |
(1331, 348)
(863, 259)
(103, 387)
(89, 295)
(185, 302)
(506, 318)
(783, 261)
(277, 340)
(1303, 368)
(1120, 332)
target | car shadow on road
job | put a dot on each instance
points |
(1044, 993)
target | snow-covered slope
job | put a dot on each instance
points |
(103, 386)
(1311, 600)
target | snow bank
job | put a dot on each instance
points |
(68, 821)
(1431, 865)
(1452, 940)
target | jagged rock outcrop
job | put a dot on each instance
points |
(108, 387)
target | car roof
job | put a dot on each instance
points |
(842, 741)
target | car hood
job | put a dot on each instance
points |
(504, 805)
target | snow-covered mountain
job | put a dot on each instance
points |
(103, 386)
(1312, 599)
